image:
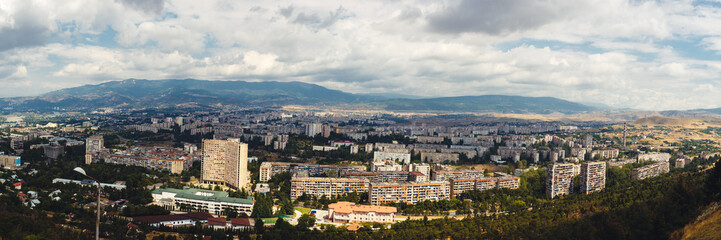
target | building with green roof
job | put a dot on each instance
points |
(214, 202)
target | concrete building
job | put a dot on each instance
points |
(380, 176)
(313, 129)
(225, 162)
(173, 220)
(648, 171)
(408, 192)
(203, 200)
(559, 179)
(681, 162)
(347, 212)
(385, 166)
(438, 157)
(507, 180)
(604, 154)
(8, 161)
(93, 144)
(328, 187)
(655, 157)
(421, 168)
(89, 182)
(404, 158)
(53, 151)
(445, 175)
(268, 169)
(593, 177)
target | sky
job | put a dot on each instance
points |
(650, 55)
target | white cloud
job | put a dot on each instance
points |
(614, 52)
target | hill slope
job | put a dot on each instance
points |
(138, 93)
(174, 92)
(706, 226)
(486, 103)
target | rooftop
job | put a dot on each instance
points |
(349, 207)
(204, 195)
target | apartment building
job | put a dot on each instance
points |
(328, 187)
(593, 177)
(409, 192)
(438, 157)
(507, 180)
(559, 179)
(225, 162)
(459, 186)
(655, 157)
(268, 169)
(445, 175)
(605, 154)
(483, 184)
(421, 168)
(648, 171)
(404, 158)
(348, 212)
(380, 176)
(10, 161)
(385, 166)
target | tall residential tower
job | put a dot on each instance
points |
(559, 179)
(593, 177)
(225, 162)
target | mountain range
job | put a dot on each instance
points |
(174, 92)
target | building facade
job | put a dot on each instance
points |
(347, 212)
(559, 179)
(409, 192)
(328, 187)
(214, 202)
(593, 177)
(225, 162)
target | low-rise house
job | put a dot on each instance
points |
(175, 219)
(346, 212)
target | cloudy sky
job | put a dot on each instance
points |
(653, 55)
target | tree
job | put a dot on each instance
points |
(305, 221)
(287, 208)
(259, 226)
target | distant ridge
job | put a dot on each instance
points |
(487, 103)
(171, 92)
(138, 93)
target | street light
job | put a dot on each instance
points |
(97, 222)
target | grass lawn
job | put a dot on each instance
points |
(269, 220)
(303, 210)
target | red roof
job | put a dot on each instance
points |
(418, 173)
(195, 216)
(17, 184)
(21, 194)
(216, 221)
(240, 221)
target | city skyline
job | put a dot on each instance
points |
(643, 55)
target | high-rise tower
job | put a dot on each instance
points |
(225, 162)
